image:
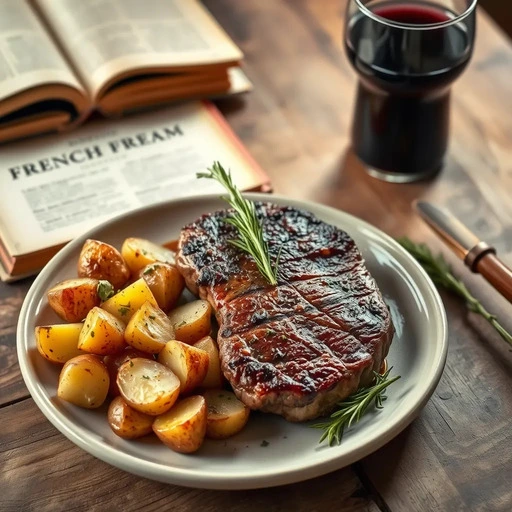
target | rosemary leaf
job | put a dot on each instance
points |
(250, 234)
(441, 273)
(351, 409)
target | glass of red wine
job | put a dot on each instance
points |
(407, 54)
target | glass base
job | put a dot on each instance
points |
(400, 177)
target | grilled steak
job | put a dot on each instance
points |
(299, 347)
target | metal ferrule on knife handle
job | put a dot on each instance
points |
(475, 253)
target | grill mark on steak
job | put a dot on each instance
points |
(280, 302)
(301, 346)
(317, 337)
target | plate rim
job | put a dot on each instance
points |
(187, 477)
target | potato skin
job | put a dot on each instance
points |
(139, 252)
(166, 283)
(84, 381)
(58, 343)
(72, 299)
(126, 422)
(226, 414)
(214, 377)
(183, 428)
(189, 363)
(192, 321)
(100, 260)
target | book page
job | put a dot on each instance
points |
(56, 188)
(105, 38)
(28, 56)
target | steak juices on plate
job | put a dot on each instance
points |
(297, 348)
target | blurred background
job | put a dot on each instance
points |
(501, 11)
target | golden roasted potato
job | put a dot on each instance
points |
(84, 381)
(148, 386)
(149, 329)
(166, 283)
(214, 377)
(58, 343)
(125, 302)
(102, 261)
(192, 321)
(139, 252)
(226, 414)
(126, 422)
(114, 362)
(102, 333)
(190, 364)
(183, 427)
(74, 298)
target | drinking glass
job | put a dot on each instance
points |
(407, 53)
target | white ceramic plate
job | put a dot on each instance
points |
(269, 451)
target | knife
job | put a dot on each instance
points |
(477, 255)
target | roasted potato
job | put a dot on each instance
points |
(102, 333)
(58, 343)
(84, 381)
(165, 282)
(139, 252)
(226, 414)
(149, 329)
(114, 362)
(183, 427)
(74, 298)
(126, 422)
(148, 386)
(214, 377)
(189, 364)
(192, 321)
(102, 261)
(125, 302)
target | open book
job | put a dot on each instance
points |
(61, 59)
(54, 188)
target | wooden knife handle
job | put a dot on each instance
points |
(497, 273)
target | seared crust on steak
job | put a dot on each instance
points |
(299, 347)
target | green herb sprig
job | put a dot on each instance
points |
(250, 234)
(352, 408)
(105, 290)
(441, 273)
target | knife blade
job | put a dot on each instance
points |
(477, 255)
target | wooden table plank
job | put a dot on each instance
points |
(11, 383)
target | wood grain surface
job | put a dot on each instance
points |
(457, 455)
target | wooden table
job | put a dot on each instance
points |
(458, 454)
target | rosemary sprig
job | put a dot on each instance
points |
(250, 234)
(352, 408)
(441, 273)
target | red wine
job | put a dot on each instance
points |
(412, 14)
(405, 68)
